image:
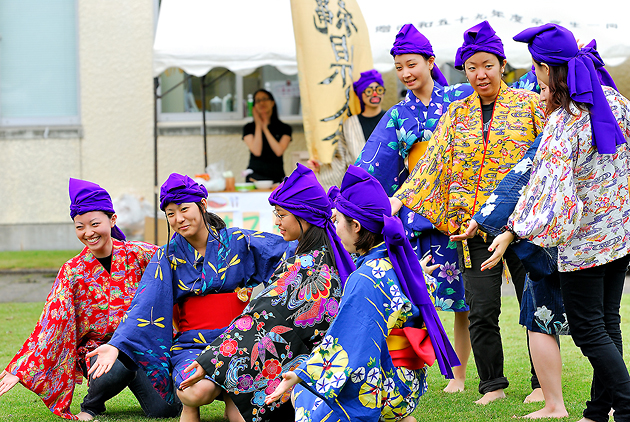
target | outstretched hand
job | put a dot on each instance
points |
(498, 247)
(7, 381)
(197, 376)
(470, 232)
(107, 356)
(289, 379)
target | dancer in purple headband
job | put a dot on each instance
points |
(356, 129)
(476, 142)
(577, 200)
(280, 327)
(196, 284)
(372, 363)
(87, 302)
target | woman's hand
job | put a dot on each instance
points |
(428, 269)
(107, 356)
(313, 165)
(499, 245)
(396, 204)
(7, 382)
(257, 117)
(197, 376)
(470, 232)
(289, 380)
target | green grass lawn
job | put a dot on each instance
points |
(10, 260)
(17, 320)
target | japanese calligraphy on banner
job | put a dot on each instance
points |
(332, 48)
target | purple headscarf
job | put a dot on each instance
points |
(362, 198)
(364, 81)
(410, 41)
(301, 194)
(480, 37)
(87, 196)
(179, 188)
(556, 45)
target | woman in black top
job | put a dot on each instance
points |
(267, 138)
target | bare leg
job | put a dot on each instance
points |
(586, 420)
(548, 364)
(231, 411)
(204, 392)
(408, 419)
(491, 396)
(461, 338)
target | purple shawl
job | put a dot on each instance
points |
(362, 198)
(301, 194)
(480, 37)
(87, 196)
(556, 45)
(179, 189)
(410, 41)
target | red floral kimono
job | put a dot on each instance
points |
(83, 309)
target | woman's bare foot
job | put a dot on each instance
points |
(84, 416)
(408, 419)
(535, 396)
(586, 420)
(491, 396)
(454, 386)
(547, 412)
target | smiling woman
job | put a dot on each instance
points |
(87, 302)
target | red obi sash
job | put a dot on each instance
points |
(210, 312)
(410, 347)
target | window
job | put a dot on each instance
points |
(227, 94)
(38, 63)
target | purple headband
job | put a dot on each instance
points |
(480, 37)
(179, 189)
(410, 41)
(87, 196)
(301, 194)
(362, 198)
(555, 45)
(364, 81)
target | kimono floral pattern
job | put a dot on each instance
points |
(84, 307)
(350, 373)
(460, 169)
(405, 124)
(275, 333)
(577, 199)
(235, 260)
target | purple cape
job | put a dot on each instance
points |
(556, 45)
(410, 41)
(301, 194)
(362, 197)
(179, 189)
(364, 81)
(87, 196)
(480, 37)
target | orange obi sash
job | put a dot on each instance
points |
(210, 312)
(410, 347)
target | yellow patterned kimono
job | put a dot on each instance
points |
(459, 171)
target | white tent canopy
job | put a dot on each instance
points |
(242, 35)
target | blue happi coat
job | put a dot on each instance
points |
(234, 259)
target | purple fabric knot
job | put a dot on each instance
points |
(393, 231)
(87, 196)
(180, 188)
(480, 37)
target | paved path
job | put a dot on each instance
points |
(35, 286)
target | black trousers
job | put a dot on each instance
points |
(591, 300)
(483, 295)
(113, 382)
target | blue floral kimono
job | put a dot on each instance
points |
(235, 258)
(350, 376)
(542, 309)
(383, 156)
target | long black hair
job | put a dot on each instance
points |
(312, 239)
(274, 111)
